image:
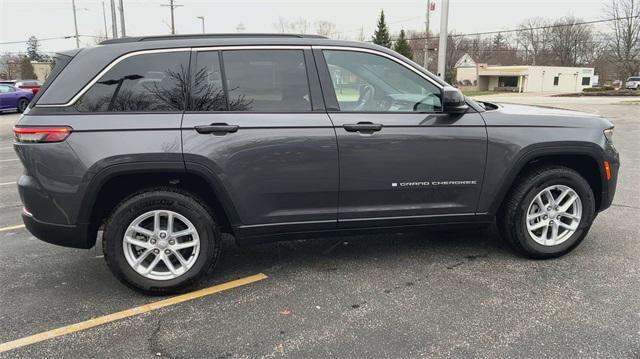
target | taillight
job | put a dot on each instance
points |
(41, 134)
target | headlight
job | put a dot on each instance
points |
(608, 134)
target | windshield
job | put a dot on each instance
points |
(637, 78)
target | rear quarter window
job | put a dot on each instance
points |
(142, 83)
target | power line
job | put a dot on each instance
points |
(46, 39)
(527, 29)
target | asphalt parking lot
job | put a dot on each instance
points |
(436, 294)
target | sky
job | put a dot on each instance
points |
(20, 19)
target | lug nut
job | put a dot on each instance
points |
(163, 235)
(156, 251)
(550, 222)
(172, 241)
(545, 217)
(549, 208)
(166, 251)
(152, 241)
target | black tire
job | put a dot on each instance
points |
(174, 200)
(512, 218)
(22, 105)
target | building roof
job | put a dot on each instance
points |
(465, 61)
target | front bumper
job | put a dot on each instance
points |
(609, 186)
(75, 236)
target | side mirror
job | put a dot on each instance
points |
(453, 101)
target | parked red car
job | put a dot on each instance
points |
(31, 85)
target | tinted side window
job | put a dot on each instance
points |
(207, 92)
(266, 80)
(366, 82)
(141, 83)
(6, 89)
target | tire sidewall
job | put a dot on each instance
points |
(548, 179)
(138, 205)
(19, 106)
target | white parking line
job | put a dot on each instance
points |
(7, 183)
(13, 159)
(10, 228)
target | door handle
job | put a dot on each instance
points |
(362, 126)
(217, 128)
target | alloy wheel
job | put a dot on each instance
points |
(554, 215)
(161, 245)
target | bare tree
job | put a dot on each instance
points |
(300, 26)
(567, 41)
(624, 42)
(326, 28)
(533, 38)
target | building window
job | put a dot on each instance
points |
(586, 81)
(556, 80)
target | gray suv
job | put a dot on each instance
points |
(164, 143)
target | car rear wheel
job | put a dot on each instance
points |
(161, 241)
(22, 104)
(548, 213)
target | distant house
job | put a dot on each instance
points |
(525, 78)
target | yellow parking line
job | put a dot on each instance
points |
(3, 229)
(6, 183)
(128, 313)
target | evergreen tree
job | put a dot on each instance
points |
(26, 69)
(402, 46)
(33, 49)
(381, 35)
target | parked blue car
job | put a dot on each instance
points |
(13, 98)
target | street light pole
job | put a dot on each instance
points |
(75, 23)
(426, 37)
(104, 17)
(442, 46)
(114, 22)
(201, 18)
(123, 32)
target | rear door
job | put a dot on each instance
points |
(401, 159)
(257, 124)
(8, 97)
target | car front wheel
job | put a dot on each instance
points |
(161, 241)
(548, 213)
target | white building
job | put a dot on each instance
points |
(527, 78)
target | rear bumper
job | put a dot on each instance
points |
(75, 236)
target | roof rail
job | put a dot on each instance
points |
(204, 36)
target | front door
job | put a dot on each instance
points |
(257, 122)
(401, 159)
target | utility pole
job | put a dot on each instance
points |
(442, 46)
(172, 5)
(114, 22)
(123, 32)
(104, 17)
(426, 37)
(75, 23)
(201, 18)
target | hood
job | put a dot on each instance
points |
(540, 116)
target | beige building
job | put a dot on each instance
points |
(527, 78)
(41, 69)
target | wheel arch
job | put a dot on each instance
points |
(114, 183)
(584, 158)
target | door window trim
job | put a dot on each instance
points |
(329, 90)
